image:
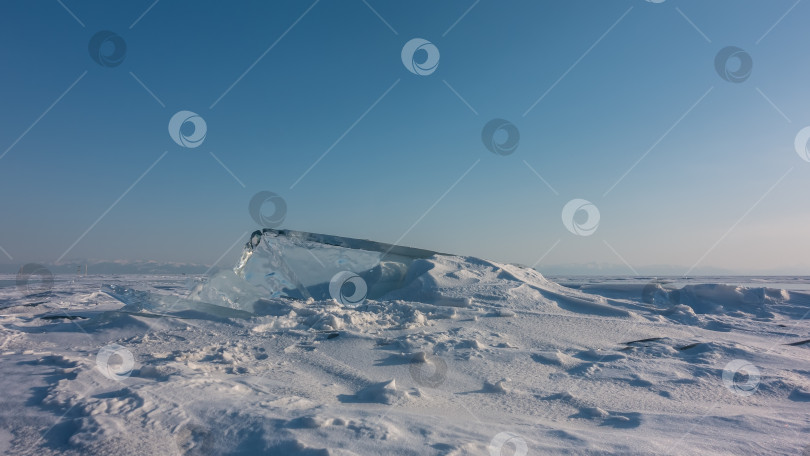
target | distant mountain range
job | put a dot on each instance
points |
(608, 269)
(587, 269)
(115, 267)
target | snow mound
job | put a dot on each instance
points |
(384, 393)
(731, 300)
(286, 278)
(695, 303)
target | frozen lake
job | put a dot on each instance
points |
(475, 358)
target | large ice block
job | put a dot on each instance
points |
(305, 265)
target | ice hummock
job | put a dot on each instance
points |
(301, 265)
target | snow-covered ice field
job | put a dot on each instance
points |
(473, 357)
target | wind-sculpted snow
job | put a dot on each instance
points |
(449, 355)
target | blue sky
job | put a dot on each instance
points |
(722, 186)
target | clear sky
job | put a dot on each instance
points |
(619, 103)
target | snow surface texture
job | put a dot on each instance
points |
(467, 356)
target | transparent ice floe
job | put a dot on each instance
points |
(303, 265)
